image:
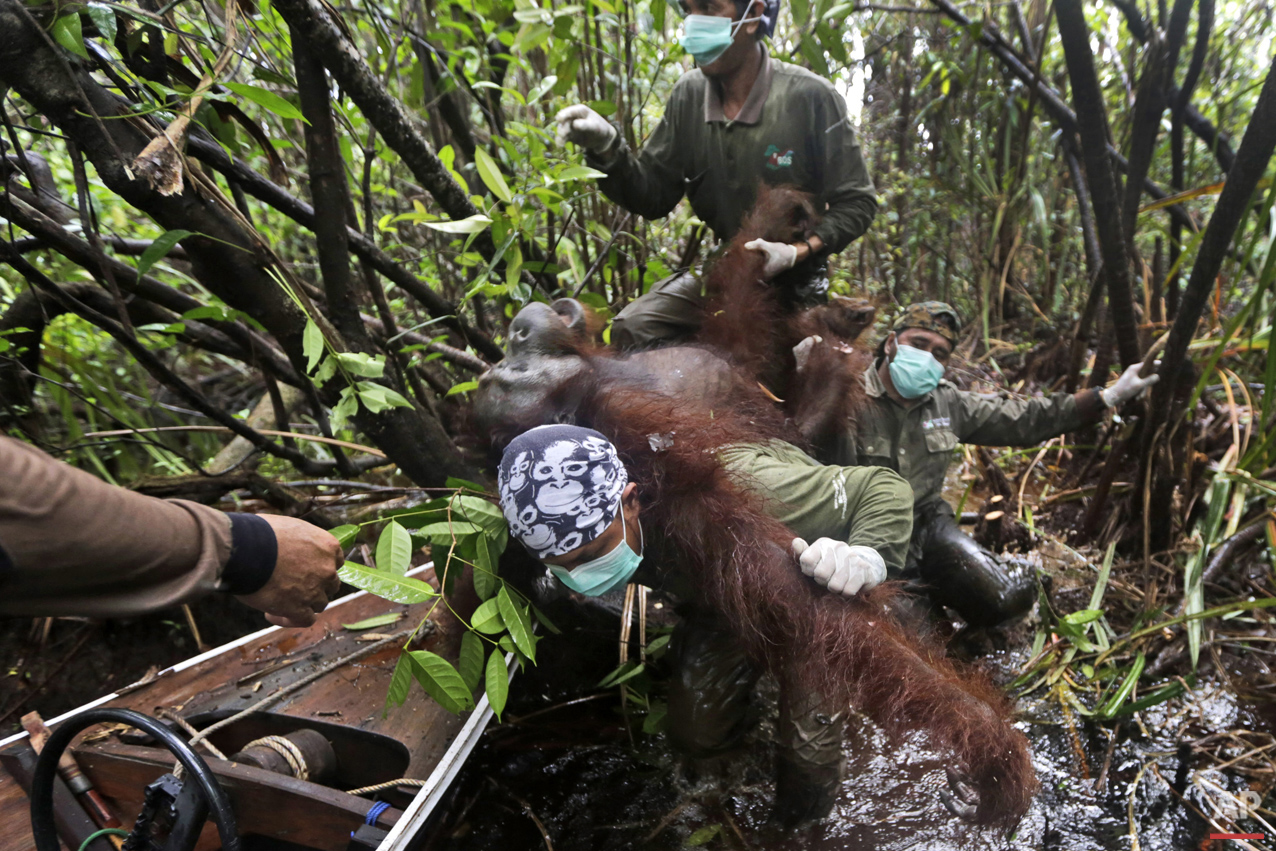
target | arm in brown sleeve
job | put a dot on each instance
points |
(73, 544)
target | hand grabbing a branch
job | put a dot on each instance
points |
(305, 575)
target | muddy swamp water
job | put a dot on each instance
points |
(568, 770)
(562, 772)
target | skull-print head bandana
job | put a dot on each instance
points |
(560, 487)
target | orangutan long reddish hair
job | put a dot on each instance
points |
(850, 651)
(756, 325)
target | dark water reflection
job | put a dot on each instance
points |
(575, 771)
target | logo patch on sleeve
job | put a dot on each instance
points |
(777, 159)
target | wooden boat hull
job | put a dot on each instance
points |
(418, 740)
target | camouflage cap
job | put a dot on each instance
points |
(930, 316)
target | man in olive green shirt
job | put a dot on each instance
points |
(912, 423)
(738, 120)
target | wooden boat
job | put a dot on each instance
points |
(325, 679)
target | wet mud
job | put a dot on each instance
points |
(569, 777)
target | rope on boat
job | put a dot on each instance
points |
(375, 812)
(389, 784)
(202, 736)
(288, 750)
(186, 725)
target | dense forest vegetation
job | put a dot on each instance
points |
(306, 226)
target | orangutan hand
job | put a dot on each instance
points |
(305, 576)
(842, 568)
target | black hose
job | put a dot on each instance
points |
(42, 825)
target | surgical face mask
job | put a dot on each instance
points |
(706, 37)
(914, 372)
(607, 572)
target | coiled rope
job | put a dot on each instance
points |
(287, 749)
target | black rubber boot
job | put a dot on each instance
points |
(804, 792)
(972, 581)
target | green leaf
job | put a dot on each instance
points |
(605, 108)
(1113, 704)
(399, 683)
(470, 224)
(483, 513)
(704, 835)
(485, 581)
(441, 681)
(159, 248)
(463, 484)
(544, 621)
(491, 175)
(267, 99)
(312, 344)
(362, 364)
(345, 535)
(394, 549)
(539, 90)
(463, 387)
(103, 17)
(580, 172)
(444, 531)
(1083, 617)
(516, 621)
(624, 672)
(378, 397)
(498, 683)
(655, 720)
(471, 660)
(68, 33)
(379, 620)
(487, 618)
(396, 589)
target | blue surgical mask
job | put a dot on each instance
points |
(706, 37)
(914, 372)
(607, 572)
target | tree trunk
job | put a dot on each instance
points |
(1092, 124)
(228, 260)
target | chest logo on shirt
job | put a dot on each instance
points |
(777, 159)
(937, 422)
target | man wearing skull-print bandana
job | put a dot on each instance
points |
(569, 502)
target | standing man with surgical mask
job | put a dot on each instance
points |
(739, 119)
(912, 423)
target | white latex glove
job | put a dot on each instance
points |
(802, 351)
(586, 128)
(842, 568)
(780, 256)
(1128, 386)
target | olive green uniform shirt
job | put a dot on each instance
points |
(861, 506)
(793, 129)
(918, 441)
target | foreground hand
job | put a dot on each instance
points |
(1128, 386)
(305, 576)
(842, 568)
(586, 128)
(780, 256)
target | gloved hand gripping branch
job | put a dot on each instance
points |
(586, 128)
(843, 568)
(1128, 386)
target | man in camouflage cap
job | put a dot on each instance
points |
(914, 421)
